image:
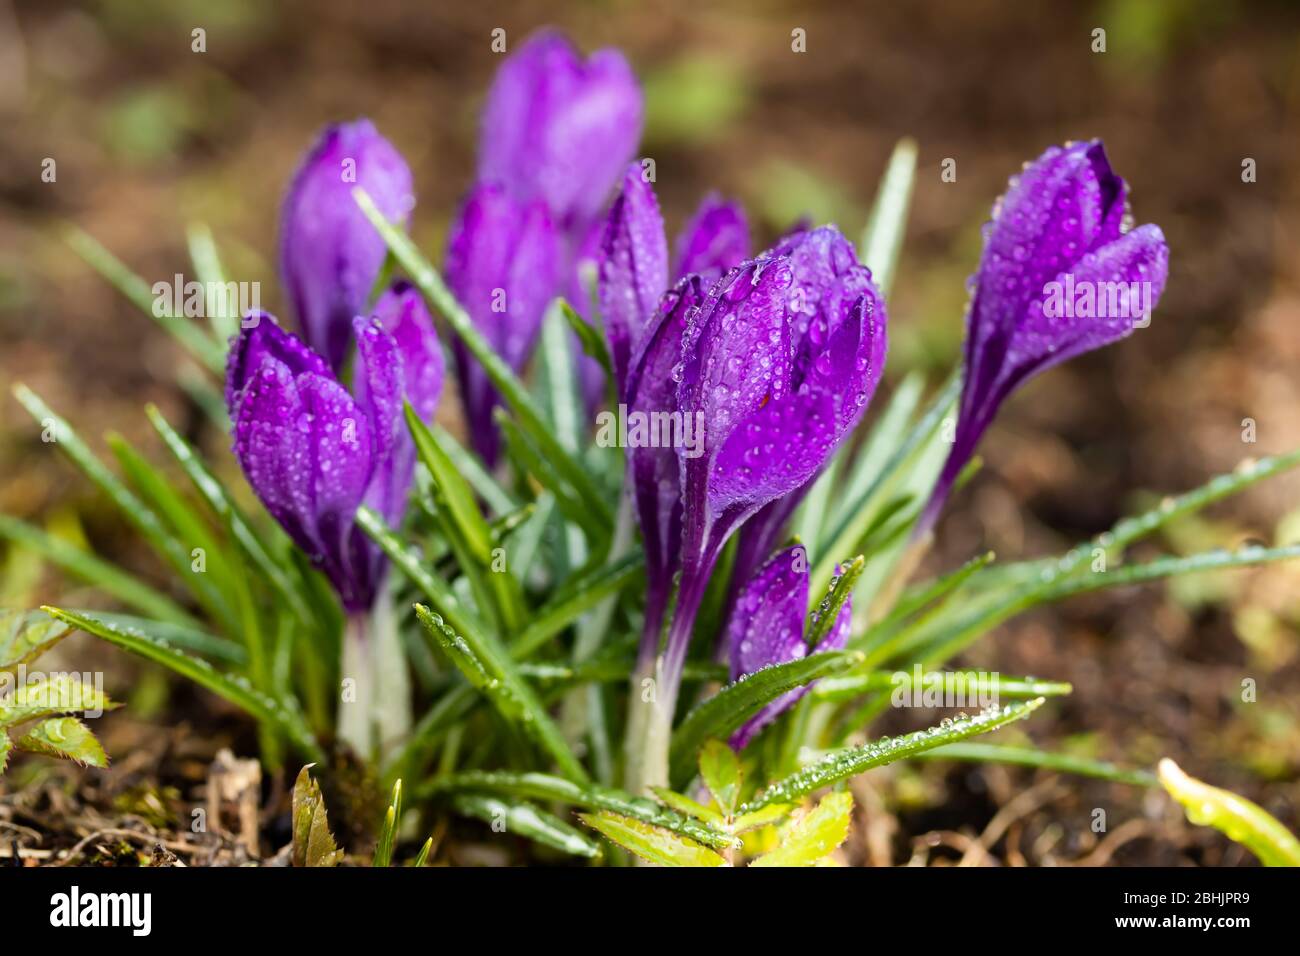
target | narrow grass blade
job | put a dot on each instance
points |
(105, 576)
(843, 764)
(730, 707)
(1241, 820)
(1032, 757)
(529, 457)
(231, 687)
(222, 301)
(882, 239)
(196, 341)
(525, 820)
(496, 677)
(968, 686)
(388, 832)
(468, 464)
(540, 786)
(219, 500)
(577, 597)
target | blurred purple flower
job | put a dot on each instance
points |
(560, 129)
(1062, 274)
(767, 628)
(715, 240)
(503, 264)
(313, 452)
(330, 255)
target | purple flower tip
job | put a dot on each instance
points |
(330, 255)
(559, 128)
(314, 453)
(715, 241)
(767, 627)
(503, 264)
(1062, 273)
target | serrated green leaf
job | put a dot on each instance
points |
(66, 738)
(724, 712)
(25, 636)
(761, 818)
(843, 764)
(815, 835)
(313, 845)
(50, 694)
(493, 673)
(720, 771)
(427, 279)
(651, 843)
(388, 831)
(589, 796)
(525, 820)
(1239, 819)
(231, 687)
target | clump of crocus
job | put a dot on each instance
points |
(1062, 274)
(767, 627)
(330, 255)
(778, 362)
(314, 453)
(503, 263)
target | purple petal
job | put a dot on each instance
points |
(715, 241)
(260, 336)
(402, 313)
(339, 449)
(633, 268)
(766, 627)
(330, 255)
(767, 624)
(654, 473)
(503, 264)
(559, 129)
(269, 426)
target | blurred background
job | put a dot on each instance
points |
(149, 136)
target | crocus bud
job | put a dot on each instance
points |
(313, 452)
(330, 254)
(1062, 273)
(503, 264)
(767, 627)
(715, 240)
(560, 129)
(779, 363)
(633, 268)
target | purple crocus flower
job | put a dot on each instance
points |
(313, 452)
(778, 363)
(1062, 274)
(330, 255)
(832, 281)
(560, 129)
(767, 628)
(645, 323)
(503, 264)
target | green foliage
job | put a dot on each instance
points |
(36, 708)
(1241, 820)
(313, 844)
